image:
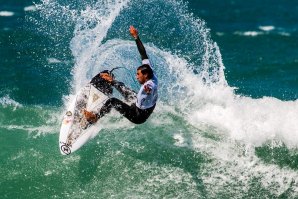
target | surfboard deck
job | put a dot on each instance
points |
(75, 129)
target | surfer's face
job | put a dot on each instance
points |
(140, 77)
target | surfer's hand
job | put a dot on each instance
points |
(134, 32)
(106, 77)
(90, 117)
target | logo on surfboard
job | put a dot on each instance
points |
(68, 113)
(95, 97)
(65, 149)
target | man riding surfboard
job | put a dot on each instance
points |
(146, 98)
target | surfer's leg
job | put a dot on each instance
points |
(132, 113)
(120, 106)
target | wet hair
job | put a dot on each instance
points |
(146, 69)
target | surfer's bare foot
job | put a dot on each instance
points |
(90, 117)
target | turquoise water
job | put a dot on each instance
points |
(226, 122)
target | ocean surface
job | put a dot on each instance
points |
(225, 125)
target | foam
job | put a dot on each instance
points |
(254, 121)
(249, 33)
(220, 33)
(266, 28)
(34, 131)
(30, 8)
(7, 101)
(285, 34)
(52, 60)
(236, 165)
(6, 13)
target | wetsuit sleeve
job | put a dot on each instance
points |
(128, 94)
(141, 48)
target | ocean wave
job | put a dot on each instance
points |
(196, 89)
(202, 138)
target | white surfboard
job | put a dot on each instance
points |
(75, 130)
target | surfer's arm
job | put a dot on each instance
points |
(141, 48)
(126, 92)
(134, 33)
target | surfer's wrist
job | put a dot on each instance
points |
(113, 82)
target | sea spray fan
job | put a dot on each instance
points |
(92, 21)
(91, 28)
(201, 55)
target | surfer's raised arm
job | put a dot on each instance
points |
(134, 33)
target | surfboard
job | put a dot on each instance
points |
(75, 129)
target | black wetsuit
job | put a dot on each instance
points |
(131, 112)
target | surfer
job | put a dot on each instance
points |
(145, 100)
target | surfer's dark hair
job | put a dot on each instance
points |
(146, 69)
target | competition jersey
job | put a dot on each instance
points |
(147, 100)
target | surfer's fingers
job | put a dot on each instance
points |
(107, 77)
(104, 74)
(133, 31)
